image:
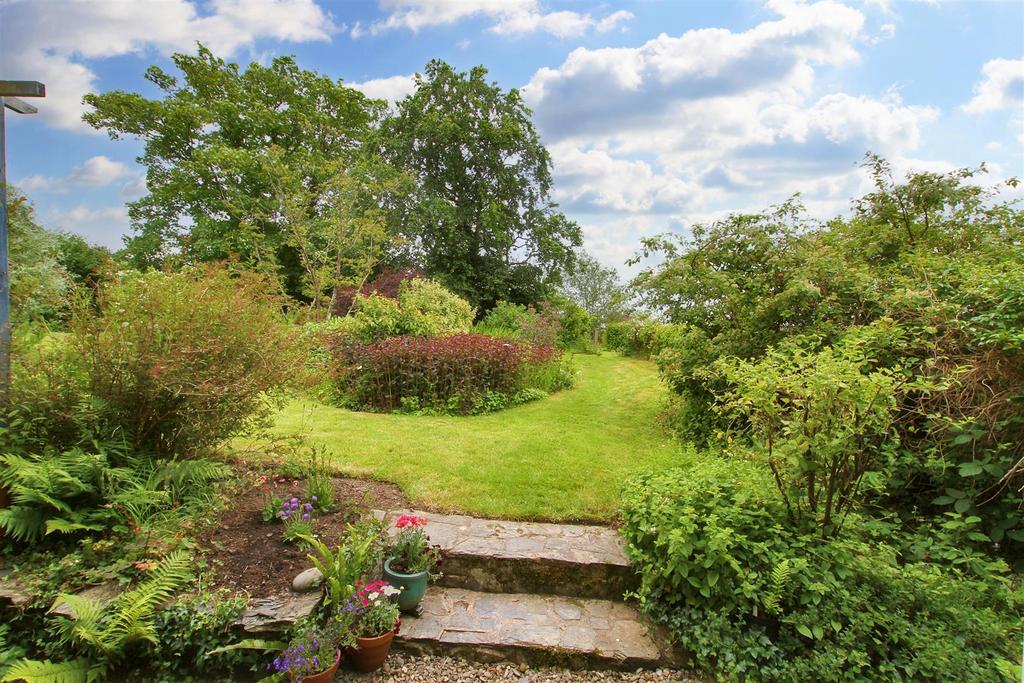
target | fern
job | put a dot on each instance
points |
(779, 579)
(73, 671)
(101, 633)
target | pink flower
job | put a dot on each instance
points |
(407, 521)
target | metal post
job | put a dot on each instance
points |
(10, 91)
(5, 281)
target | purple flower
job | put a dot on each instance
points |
(305, 516)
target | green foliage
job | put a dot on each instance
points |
(39, 285)
(924, 279)
(319, 485)
(101, 634)
(483, 223)
(820, 421)
(86, 264)
(178, 363)
(358, 552)
(423, 309)
(192, 627)
(225, 148)
(597, 290)
(108, 490)
(432, 310)
(754, 599)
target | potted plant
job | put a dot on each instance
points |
(370, 619)
(411, 561)
(311, 657)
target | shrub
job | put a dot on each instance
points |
(452, 374)
(386, 284)
(180, 362)
(421, 307)
(751, 598)
(432, 310)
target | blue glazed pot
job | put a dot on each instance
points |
(413, 586)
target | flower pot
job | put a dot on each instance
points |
(369, 653)
(325, 676)
(413, 586)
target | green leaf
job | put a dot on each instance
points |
(962, 505)
(804, 631)
(971, 469)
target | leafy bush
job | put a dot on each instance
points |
(421, 308)
(386, 284)
(451, 373)
(174, 363)
(751, 598)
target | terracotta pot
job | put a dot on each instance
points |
(369, 653)
(325, 676)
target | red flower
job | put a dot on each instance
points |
(408, 521)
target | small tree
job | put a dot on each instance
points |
(819, 420)
(596, 289)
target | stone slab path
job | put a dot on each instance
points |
(532, 593)
(528, 557)
(534, 629)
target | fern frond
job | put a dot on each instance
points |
(73, 671)
(22, 523)
(66, 526)
(133, 609)
(85, 611)
(779, 579)
(250, 644)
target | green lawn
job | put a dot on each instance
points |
(564, 457)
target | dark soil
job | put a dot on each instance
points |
(247, 555)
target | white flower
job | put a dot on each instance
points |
(373, 596)
(391, 590)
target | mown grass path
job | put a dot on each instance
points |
(562, 458)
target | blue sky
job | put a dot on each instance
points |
(658, 114)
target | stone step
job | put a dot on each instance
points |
(500, 556)
(539, 630)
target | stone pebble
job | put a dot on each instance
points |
(402, 668)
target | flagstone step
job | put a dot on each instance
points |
(537, 630)
(501, 556)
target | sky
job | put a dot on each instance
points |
(658, 114)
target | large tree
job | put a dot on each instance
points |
(485, 224)
(228, 151)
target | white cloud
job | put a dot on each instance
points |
(98, 171)
(51, 41)
(689, 128)
(1002, 87)
(104, 225)
(511, 17)
(391, 89)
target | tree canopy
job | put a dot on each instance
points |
(484, 223)
(227, 153)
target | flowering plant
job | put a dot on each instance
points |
(312, 651)
(298, 518)
(410, 550)
(371, 611)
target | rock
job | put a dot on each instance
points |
(307, 580)
(104, 594)
(13, 591)
(277, 613)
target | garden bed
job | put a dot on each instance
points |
(248, 555)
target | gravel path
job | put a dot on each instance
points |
(402, 668)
